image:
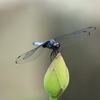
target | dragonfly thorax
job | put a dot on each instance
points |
(52, 44)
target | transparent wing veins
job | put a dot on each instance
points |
(74, 37)
(30, 55)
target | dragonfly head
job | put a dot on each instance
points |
(56, 45)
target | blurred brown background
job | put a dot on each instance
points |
(25, 21)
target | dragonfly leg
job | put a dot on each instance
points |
(53, 54)
(57, 52)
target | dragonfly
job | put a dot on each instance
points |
(54, 44)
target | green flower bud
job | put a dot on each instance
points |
(56, 78)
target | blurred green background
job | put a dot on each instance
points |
(24, 21)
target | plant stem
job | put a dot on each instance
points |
(51, 98)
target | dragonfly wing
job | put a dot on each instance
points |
(74, 37)
(30, 55)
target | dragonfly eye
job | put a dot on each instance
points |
(56, 45)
